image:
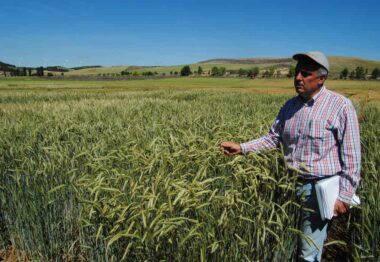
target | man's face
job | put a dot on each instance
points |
(307, 82)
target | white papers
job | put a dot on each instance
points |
(327, 191)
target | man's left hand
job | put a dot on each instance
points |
(340, 208)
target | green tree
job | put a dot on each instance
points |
(185, 71)
(344, 73)
(250, 73)
(352, 74)
(200, 70)
(214, 71)
(271, 71)
(242, 72)
(221, 71)
(147, 73)
(40, 71)
(292, 72)
(375, 73)
(125, 72)
(359, 72)
(253, 72)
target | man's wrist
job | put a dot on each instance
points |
(345, 199)
(243, 148)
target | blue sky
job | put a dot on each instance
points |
(141, 32)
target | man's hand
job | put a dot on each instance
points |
(230, 148)
(340, 208)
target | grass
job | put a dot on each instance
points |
(113, 170)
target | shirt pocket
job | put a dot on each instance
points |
(318, 130)
(316, 136)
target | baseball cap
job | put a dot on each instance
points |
(315, 56)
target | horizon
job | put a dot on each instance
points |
(183, 64)
(148, 33)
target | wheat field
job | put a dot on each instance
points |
(138, 175)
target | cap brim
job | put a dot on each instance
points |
(302, 55)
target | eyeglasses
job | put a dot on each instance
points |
(304, 73)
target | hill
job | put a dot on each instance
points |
(337, 64)
(6, 66)
(250, 61)
(85, 67)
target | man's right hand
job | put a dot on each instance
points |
(230, 148)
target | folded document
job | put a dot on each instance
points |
(327, 191)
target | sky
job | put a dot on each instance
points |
(162, 32)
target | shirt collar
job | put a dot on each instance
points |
(319, 94)
(314, 98)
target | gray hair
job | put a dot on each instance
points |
(322, 72)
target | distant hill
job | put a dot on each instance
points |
(57, 69)
(5, 65)
(96, 70)
(138, 67)
(85, 67)
(337, 64)
(252, 61)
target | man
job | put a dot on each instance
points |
(319, 132)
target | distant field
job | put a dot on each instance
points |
(95, 71)
(162, 69)
(337, 63)
(368, 90)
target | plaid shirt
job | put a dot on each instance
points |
(320, 138)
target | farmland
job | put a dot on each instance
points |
(113, 170)
(338, 63)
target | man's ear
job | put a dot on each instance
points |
(322, 79)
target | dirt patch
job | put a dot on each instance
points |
(12, 255)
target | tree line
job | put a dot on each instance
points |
(271, 72)
(215, 71)
(23, 71)
(241, 72)
(359, 73)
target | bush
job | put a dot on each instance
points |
(218, 71)
(185, 71)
